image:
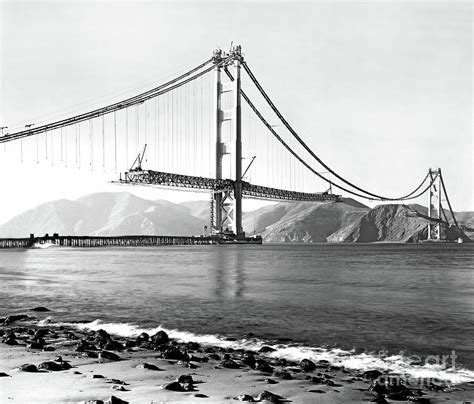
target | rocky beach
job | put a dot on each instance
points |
(41, 362)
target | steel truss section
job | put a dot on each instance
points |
(224, 186)
(260, 192)
(175, 180)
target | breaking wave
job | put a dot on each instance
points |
(395, 364)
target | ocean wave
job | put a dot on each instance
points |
(395, 364)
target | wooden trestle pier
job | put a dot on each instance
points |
(103, 241)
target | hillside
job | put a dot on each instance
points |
(104, 214)
(303, 221)
(125, 214)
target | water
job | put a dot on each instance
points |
(345, 303)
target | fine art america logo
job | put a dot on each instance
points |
(428, 366)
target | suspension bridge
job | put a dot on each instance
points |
(208, 130)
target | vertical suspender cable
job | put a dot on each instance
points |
(21, 150)
(145, 127)
(115, 140)
(91, 145)
(126, 135)
(103, 141)
(62, 150)
(46, 144)
(37, 149)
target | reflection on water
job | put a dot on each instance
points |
(228, 273)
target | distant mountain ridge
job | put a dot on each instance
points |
(123, 213)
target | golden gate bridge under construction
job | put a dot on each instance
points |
(204, 131)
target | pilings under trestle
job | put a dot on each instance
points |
(115, 241)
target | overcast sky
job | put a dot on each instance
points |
(380, 90)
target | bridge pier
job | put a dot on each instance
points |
(227, 206)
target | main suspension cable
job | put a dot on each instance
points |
(155, 92)
(308, 149)
(275, 134)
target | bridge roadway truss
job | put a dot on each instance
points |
(150, 177)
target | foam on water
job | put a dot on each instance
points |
(396, 364)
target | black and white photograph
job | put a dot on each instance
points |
(223, 201)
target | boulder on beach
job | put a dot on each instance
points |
(230, 364)
(307, 366)
(372, 374)
(185, 379)
(174, 353)
(116, 400)
(245, 397)
(148, 366)
(283, 375)
(28, 367)
(109, 355)
(263, 366)
(51, 366)
(160, 338)
(269, 396)
(173, 386)
(143, 337)
(14, 317)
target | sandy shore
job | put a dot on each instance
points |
(76, 369)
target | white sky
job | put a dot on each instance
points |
(380, 90)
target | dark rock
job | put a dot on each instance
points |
(269, 396)
(248, 359)
(113, 345)
(84, 345)
(13, 318)
(115, 381)
(245, 397)
(28, 367)
(4, 375)
(49, 349)
(20, 330)
(160, 338)
(194, 358)
(307, 366)
(40, 308)
(174, 353)
(143, 337)
(271, 381)
(266, 349)
(188, 387)
(316, 391)
(148, 366)
(200, 395)
(173, 386)
(230, 364)
(194, 346)
(316, 380)
(109, 355)
(116, 400)
(185, 379)
(97, 377)
(10, 341)
(283, 375)
(90, 354)
(51, 366)
(93, 402)
(209, 349)
(35, 345)
(372, 374)
(263, 366)
(119, 388)
(214, 356)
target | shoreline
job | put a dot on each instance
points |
(72, 365)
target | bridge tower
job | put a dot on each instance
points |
(227, 205)
(434, 205)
